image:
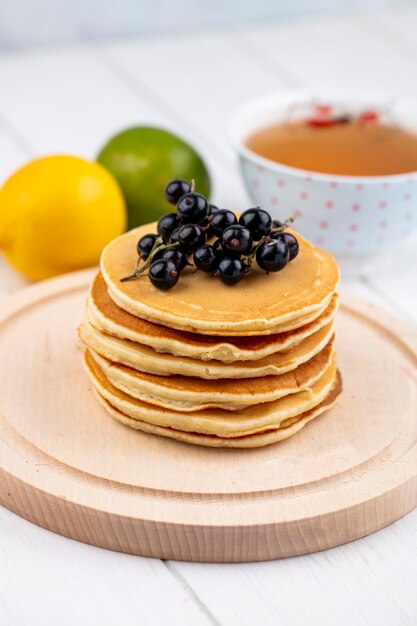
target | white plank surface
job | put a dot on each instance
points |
(12, 155)
(66, 101)
(363, 583)
(47, 579)
(70, 100)
(208, 76)
(346, 52)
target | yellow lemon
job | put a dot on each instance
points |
(56, 215)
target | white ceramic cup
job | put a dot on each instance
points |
(352, 216)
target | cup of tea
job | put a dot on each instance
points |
(344, 166)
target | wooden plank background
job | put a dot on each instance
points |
(70, 99)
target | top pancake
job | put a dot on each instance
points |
(260, 304)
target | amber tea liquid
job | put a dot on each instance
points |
(353, 148)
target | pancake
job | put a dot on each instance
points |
(106, 316)
(181, 393)
(287, 325)
(260, 304)
(249, 421)
(145, 359)
(257, 440)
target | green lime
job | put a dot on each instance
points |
(143, 160)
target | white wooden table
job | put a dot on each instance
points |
(70, 100)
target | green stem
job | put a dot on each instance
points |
(135, 274)
(248, 260)
(285, 225)
(157, 247)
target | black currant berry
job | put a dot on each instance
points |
(191, 237)
(291, 242)
(167, 224)
(176, 189)
(145, 245)
(276, 224)
(174, 235)
(257, 221)
(237, 239)
(192, 208)
(163, 274)
(231, 270)
(273, 256)
(175, 255)
(222, 219)
(212, 209)
(205, 259)
(218, 248)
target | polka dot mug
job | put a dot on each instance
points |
(352, 215)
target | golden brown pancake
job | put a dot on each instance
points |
(196, 394)
(260, 304)
(257, 440)
(145, 359)
(106, 316)
(252, 427)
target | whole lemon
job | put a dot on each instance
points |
(56, 215)
(143, 159)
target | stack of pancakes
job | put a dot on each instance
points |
(210, 364)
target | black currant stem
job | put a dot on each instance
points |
(136, 274)
(284, 225)
(257, 246)
(157, 247)
(139, 270)
(248, 259)
(247, 264)
(192, 185)
(289, 221)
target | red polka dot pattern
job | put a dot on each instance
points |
(341, 214)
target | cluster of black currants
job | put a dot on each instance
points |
(234, 243)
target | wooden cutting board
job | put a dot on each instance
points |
(67, 466)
